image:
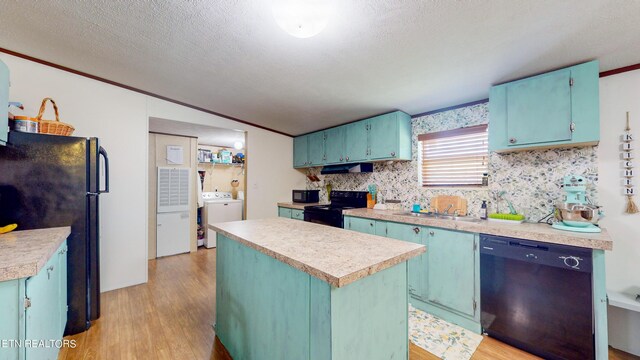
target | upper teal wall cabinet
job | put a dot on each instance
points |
(390, 137)
(334, 145)
(556, 109)
(356, 142)
(4, 102)
(316, 148)
(308, 150)
(384, 137)
(301, 151)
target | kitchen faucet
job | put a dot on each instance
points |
(446, 211)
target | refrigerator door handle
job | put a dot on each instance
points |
(103, 152)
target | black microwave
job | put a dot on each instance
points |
(306, 196)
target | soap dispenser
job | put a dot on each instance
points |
(483, 210)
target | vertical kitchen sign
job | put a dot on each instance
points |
(628, 189)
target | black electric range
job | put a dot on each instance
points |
(332, 214)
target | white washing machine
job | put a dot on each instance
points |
(219, 207)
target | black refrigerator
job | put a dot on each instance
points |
(51, 181)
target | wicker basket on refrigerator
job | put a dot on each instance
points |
(53, 127)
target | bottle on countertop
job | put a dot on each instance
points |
(483, 210)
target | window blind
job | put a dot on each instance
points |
(454, 157)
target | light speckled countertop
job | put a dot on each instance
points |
(529, 231)
(24, 253)
(298, 206)
(334, 255)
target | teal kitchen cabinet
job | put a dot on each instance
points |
(367, 226)
(357, 141)
(62, 286)
(284, 212)
(335, 145)
(390, 137)
(452, 268)
(35, 309)
(381, 228)
(316, 155)
(308, 150)
(416, 265)
(4, 102)
(297, 214)
(556, 109)
(12, 317)
(445, 280)
(301, 151)
(380, 138)
(289, 213)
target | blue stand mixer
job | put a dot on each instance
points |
(576, 213)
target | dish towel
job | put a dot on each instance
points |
(199, 186)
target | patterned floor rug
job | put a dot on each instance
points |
(442, 339)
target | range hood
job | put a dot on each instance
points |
(347, 168)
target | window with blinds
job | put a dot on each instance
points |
(454, 158)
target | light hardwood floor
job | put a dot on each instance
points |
(170, 317)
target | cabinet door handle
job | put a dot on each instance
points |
(393, 153)
(416, 230)
(431, 233)
(49, 271)
(371, 223)
(513, 140)
(340, 158)
(347, 158)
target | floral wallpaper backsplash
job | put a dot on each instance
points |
(531, 178)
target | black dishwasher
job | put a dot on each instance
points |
(537, 296)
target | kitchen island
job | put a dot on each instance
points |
(287, 289)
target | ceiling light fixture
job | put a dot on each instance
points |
(238, 145)
(302, 18)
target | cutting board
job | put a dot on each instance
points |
(441, 203)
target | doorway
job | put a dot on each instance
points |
(216, 161)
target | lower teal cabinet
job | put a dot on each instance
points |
(284, 212)
(445, 280)
(381, 228)
(288, 213)
(62, 284)
(35, 309)
(451, 270)
(297, 214)
(412, 233)
(11, 318)
(367, 226)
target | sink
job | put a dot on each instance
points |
(457, 218)
(439, 216)
(413, 214)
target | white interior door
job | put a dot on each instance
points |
(173, 233)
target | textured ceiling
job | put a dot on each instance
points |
(207, 135)
(229, 56)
